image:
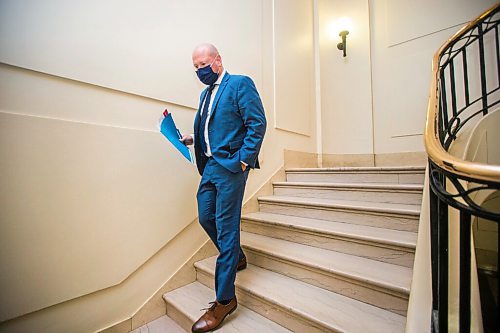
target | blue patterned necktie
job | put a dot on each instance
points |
(204, 117)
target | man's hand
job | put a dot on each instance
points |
(187, 140)
(243, 166)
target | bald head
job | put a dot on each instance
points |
(206, 48)
(207, 54)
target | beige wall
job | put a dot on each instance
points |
(93, 198)
(294, 65)
(128, 45)
(346, 105)
(404, 37)
(375, 99)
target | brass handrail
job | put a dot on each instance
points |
(435, 150)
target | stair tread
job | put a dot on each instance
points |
(372, 186)
(385, 275)
(329, 309)
(419, 169)
(190, 298)
(164, 324)
(383, 207)
(374, 234)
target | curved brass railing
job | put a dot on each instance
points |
(454, 101)
(433, 145)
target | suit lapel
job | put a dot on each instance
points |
(222, 86)
(197, 117)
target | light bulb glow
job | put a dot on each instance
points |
(338, 25)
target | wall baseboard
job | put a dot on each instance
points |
(417, 158)
(296, 159)
(348, 160)
(155, 307)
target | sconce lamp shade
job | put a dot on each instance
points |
(343, 45)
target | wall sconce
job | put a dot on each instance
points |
(343, 45)
(341, 27)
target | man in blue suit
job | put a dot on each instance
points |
(228, 131)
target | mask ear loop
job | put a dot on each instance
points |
(219, 71)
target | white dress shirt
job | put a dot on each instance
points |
(214, 92)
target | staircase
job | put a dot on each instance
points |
(331, 251)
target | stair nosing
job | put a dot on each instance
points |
(336, 234)
(375, 187)
(334, 205)
(409, 169)
(186, 311)
(164, 317)
(398, 290)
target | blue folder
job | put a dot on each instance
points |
(168, 129)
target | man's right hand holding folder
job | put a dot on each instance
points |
(187, 140)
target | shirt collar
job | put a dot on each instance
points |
(221, 76)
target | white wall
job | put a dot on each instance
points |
(375, 99)
(405, 35)
(140, 47)
(294, 65)
(346, 106)
(93, 198)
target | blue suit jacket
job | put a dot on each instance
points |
(236, 127)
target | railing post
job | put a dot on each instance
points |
(465, 271)
(482, 68)
(439, 256)
(433, 199)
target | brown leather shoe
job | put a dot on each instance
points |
(242, 264)
(214, 316)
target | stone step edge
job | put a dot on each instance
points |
(379, 286)
(300, 202)
(353, 237)
(186, 312)
(408, 169)
(164, 322)
(301, 315)
(375, 187)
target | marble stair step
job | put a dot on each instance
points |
(387, 245)
(397, 175)
(384, 285)
(302, 307)
(393, 193)
(184, 304)
(378, 214)
(164, 324)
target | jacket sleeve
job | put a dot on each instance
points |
(254, 119)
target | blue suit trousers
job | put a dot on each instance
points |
(220, 196)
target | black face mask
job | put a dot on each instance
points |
(207, 75)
